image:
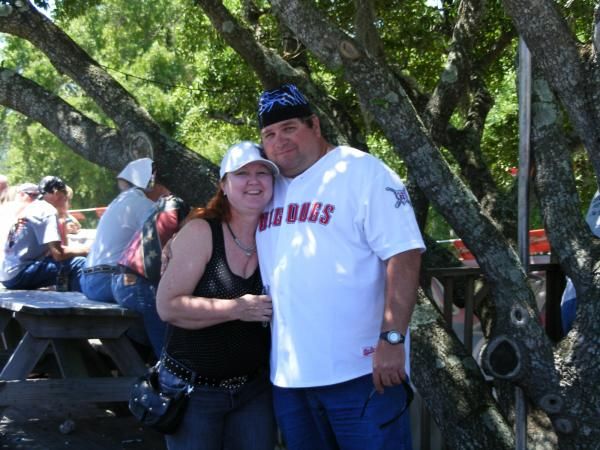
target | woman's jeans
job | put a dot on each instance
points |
(348, 416)
(137, 293)
(218, 418)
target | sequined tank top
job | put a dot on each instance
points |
(228, 349)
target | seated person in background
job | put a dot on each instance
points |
(122, 218)
(67, 224)
(34, 255)
(134, 287)
(568, 303)
(21, 196)
(27, 193)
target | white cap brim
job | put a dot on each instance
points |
(241, 154)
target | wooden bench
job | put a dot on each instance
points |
(61, 322)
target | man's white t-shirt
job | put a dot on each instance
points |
(322, 244)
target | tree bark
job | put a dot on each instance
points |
(559, 56)
(137, 134)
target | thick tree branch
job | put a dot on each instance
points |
(137, 131)
(366, 33)
(459, 418)
(556, 52)
(73, 61)
(455, 77)
(86, 137)
(577, 251)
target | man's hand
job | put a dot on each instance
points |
(388, 365)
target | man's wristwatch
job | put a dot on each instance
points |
(392, 337)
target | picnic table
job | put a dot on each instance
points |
(62, 323)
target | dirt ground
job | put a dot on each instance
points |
(88, 427)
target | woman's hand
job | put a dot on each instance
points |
(255, 308)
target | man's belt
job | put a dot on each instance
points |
(102, 268)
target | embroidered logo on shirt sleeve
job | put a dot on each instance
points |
(401, 196)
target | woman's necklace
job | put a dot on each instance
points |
(247, 250)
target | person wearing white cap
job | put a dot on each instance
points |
(211, 295)
(136, 173)
(122, 218)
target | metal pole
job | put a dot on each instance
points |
(524, 85)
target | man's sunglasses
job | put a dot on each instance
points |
(409, 398)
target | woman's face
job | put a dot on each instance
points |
(249, 188)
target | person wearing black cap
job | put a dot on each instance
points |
(339, 249)
(34, 255)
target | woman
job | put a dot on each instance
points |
(210, 294)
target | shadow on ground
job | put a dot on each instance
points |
(89, 427)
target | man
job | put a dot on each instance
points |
(10, 210)
(34, 255)
(134, 286)
(123, 217)
(339, 251)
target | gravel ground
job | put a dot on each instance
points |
(89, 427)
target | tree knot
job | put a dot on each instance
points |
(503, 359)
(348, 50)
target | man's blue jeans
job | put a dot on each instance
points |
(137, 293)
(96, 286)
(217, 419)
(45, 272)
(344, 416)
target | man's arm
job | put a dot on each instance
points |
(401, 283)
(60, 252)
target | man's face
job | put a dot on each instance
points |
(293, 145)
(58, 199)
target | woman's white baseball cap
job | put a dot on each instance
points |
(242, 153)
(138, 172)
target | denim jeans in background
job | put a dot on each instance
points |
(137, 293)
(332, 417)
(217, 419)
(97, 286)
(45, 272)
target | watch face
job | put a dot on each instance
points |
(393, 337)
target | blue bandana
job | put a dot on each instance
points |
(285, 102)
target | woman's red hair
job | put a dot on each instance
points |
(216, 208)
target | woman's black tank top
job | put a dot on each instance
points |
(228, 349)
